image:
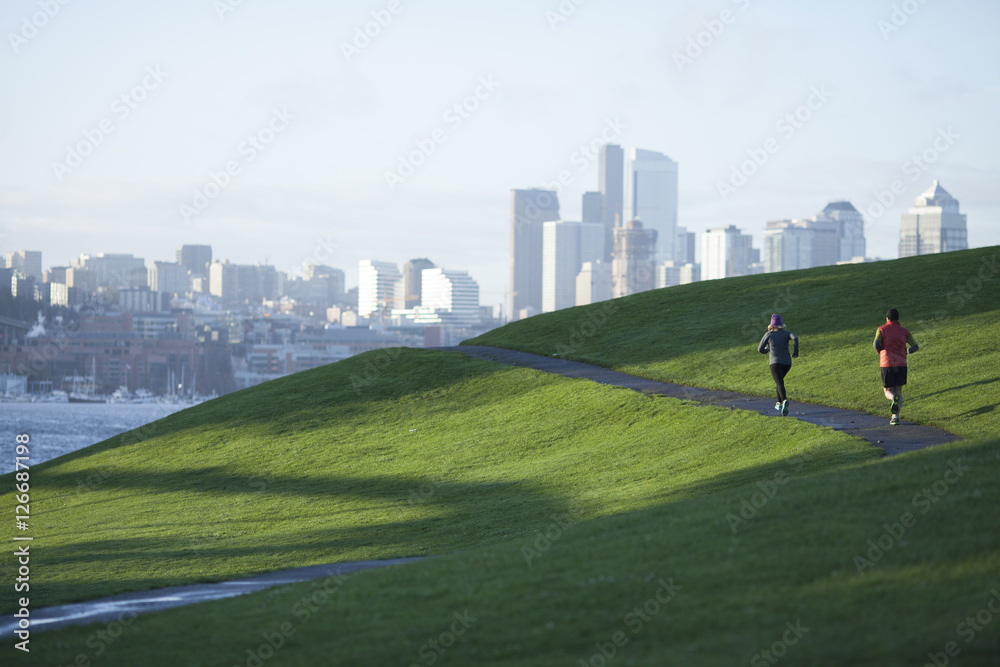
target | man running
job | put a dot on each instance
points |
(891, 342)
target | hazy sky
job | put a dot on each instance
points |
(115, 115)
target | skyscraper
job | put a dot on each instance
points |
(168, 277)
(851, 227)
(592, 207)
(28, 262)
(376, 287)
(413, 280)
(787, 246)
(448, 297)
(565, 247)
(115, 270)
(223, 281)
(825, 239)
(727, 252)
(593, 283)
(530, 210)
(684, 249)
(668, 274)
(836, 234)
(612, 189)
(651, 196)
(633, 268)
(932, 225)
(196, 258)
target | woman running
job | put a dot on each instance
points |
(775, 341)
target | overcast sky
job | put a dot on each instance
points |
(278, 131)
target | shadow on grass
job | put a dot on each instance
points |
(978, 383)
(217, 548)
(810, 462)
(986, 409)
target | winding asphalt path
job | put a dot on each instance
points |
(906, 437)
(893, 439)
(128, 605)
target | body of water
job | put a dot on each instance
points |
(56, 429)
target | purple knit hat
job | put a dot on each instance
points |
(776, 321)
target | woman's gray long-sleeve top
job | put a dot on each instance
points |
(776, 342)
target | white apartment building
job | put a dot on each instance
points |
(727, 252)
(565, 247)
(447, 297)
(593, 283)
(377, 283)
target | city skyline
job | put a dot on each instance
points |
(224, 127)
(835, 235)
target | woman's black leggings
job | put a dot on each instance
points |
(778, 372)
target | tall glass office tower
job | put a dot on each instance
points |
(651, 196)
(530, 210)
(932, 225)
(612, 189)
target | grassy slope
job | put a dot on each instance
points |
(792, 562)
(705, 334)
(437, 453)
(485, 469)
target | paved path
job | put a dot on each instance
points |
(127, 605)
(906, 437)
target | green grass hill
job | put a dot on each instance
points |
(706, 334)
(574, 523)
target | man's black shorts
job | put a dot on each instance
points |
(893, 376)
